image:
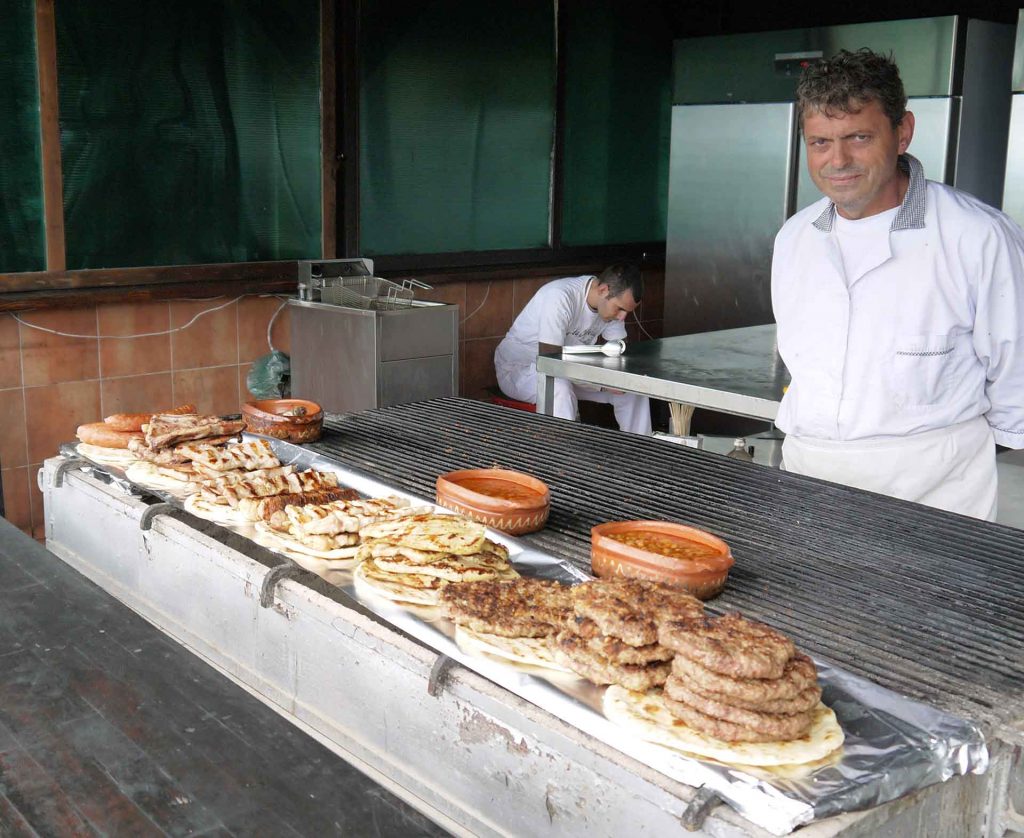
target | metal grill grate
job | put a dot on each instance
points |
(924, 602)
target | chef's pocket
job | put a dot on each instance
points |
(924, 368)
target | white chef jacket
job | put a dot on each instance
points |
(929, 335)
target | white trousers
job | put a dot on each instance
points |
(950, 468)
(632, 412)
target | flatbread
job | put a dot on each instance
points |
(645, 715)
(431, 533)
(277, 540)
(530, 651)
(217, 512)
(149, 474)
(120, 457)
(392, 585)
(451, 568)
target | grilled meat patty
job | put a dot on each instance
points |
(572, 652)
(798, 676)
(730, 645)
(518, 608)
(630, 609)
(612, 647)
(771, 725)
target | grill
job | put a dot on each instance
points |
(924, 602)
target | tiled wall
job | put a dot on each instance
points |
(49, 384)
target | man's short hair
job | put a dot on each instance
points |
(848, 81)
(623, 278)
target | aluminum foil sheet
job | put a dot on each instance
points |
(893, 745)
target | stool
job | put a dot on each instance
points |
(495, 396)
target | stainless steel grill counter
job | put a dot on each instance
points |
(920, 602)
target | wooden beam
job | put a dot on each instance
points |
(33, 281)
(328, 129)
(49, 120)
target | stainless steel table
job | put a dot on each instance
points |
(734, 371)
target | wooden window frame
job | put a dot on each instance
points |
(57, 287)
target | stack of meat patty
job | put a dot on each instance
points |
(513, 619)
(612, 636)
(738, 680)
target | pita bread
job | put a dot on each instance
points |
(431, 533)
(218, 512)
(283, 541)
(420, 590)
(156, 477)
(646, 715)
(449, 567)
(120, 457)
(529, 651)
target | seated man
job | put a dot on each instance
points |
(574, 310)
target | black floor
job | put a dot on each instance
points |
(109, 728)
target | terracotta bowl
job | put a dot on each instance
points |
(509, 501)
(294, 420)
(702, 575)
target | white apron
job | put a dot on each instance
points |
(950, 468)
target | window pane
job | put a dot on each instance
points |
(456, 123)
(22, 247)
(618, 107)
(190, 131)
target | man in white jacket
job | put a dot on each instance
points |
(900, 307)
(574, 310)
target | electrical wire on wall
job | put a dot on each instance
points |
(181, 328)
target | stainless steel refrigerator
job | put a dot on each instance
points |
(737, 169)
(1013, 195)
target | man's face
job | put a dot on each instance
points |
(614, 308)
(852, 158)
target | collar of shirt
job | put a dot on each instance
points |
(912, 210)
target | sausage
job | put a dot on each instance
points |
(135, 421)
(101, 434)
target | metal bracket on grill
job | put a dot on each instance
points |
(439, 674)
(285, 570)
(146, 521)
(67, 465)
(699, 808)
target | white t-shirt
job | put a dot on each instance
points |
(558, 314)
(863, 242)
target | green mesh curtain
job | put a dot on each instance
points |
(190, 131)
(618, 109)
(22, 245)
(456, 123)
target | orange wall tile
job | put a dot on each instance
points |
(138, 355)
(13, 439)
(137, 394)
(211, 341)
(48, 358)
(210, 389)
(17, 506)
(10, 352)
(55, 411)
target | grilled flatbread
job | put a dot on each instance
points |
(160, 477)
(450, 567)
(236, 489)
(646, 715)
(166, 429)
(262, 509)
(277, 540)
(249, 456)
(379, 548)
(529, 651)
(430, 532)
(221, 513)
(412, 588)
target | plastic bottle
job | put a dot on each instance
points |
(739, 451)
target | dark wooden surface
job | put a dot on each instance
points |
(107, 727)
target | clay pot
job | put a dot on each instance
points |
(294, 420)
(508, 501)
(702, 575)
